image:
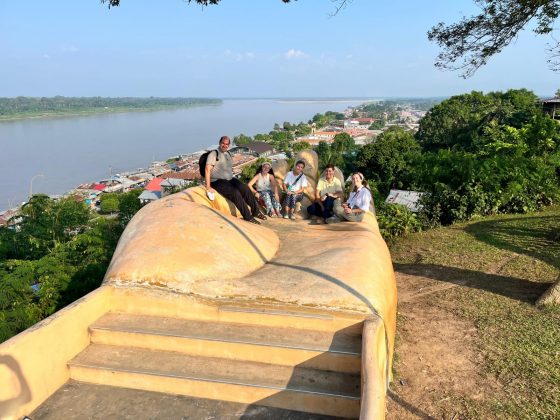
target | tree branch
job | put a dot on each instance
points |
(469, 44)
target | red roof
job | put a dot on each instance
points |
(154, 184)
(188, 174)
(99, 187)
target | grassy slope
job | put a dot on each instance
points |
(504, 263)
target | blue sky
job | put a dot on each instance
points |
(247, 48)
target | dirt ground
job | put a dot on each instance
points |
(437, 367)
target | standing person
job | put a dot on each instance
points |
(328, 190)
(219, 177)
(294, 184)
(266, 188)
(357, 204)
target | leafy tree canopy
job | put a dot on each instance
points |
(469, 44)
(389, 161)
(459, 123)
(242, 139)
(301, 145)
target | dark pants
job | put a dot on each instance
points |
(239, 194)
(325, 212)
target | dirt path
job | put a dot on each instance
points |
(437, 366)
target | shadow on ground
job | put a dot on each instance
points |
(511, 287)
(536, 237)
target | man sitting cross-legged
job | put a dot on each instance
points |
(328, 190)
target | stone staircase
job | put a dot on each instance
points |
(296, 361)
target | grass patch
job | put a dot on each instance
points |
(503, 264)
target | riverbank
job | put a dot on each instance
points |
(72, 151)
(97, 111)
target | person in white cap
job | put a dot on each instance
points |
(264, 186)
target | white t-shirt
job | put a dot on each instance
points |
(290, 179)
(360, 199)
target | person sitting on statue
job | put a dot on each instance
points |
(328, 190)
(358, 203)
(264, 186)
(294, 184)
(219, 177)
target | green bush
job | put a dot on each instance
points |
(396, 220)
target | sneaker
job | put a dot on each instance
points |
(286, 216)
(255, 221)
(332, 219)
(292, 216)
(261, 216)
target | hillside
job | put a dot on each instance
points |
(471, 343)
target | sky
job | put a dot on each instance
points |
(247, 49)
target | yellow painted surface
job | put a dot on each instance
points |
(175, 242)
(373, 371)
(146, 301)
(184, 256)
(234, 351)
(34, 362)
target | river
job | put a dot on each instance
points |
(68, 151)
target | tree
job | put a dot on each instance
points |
(287, 126)
(263, 137)
(377, 125)
(281, 140)
(324, 153)
(302, 129)
(301, 145)
(109, 203)
(459, 122)
(469, 44)
(389, 162)
(129, 204)
(242, 139)
(343, 143)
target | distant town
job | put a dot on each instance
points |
(363, 123)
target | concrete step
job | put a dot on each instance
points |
(80, 400)
(293, 388)
(254, 313)
(334, 351)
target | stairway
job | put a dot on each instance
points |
(248, 356)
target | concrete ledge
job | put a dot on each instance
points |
(34, 362)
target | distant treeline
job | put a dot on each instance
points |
(27, 106)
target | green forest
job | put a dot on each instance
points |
(27, 107)
(473, 155)
(53, 253)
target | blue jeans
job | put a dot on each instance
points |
(326, 211)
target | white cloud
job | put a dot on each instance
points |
(239, 56)
(69, 49)
(292, 53)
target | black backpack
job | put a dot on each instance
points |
(202, 162)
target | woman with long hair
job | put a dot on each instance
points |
(264, 186)
(358, 203)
